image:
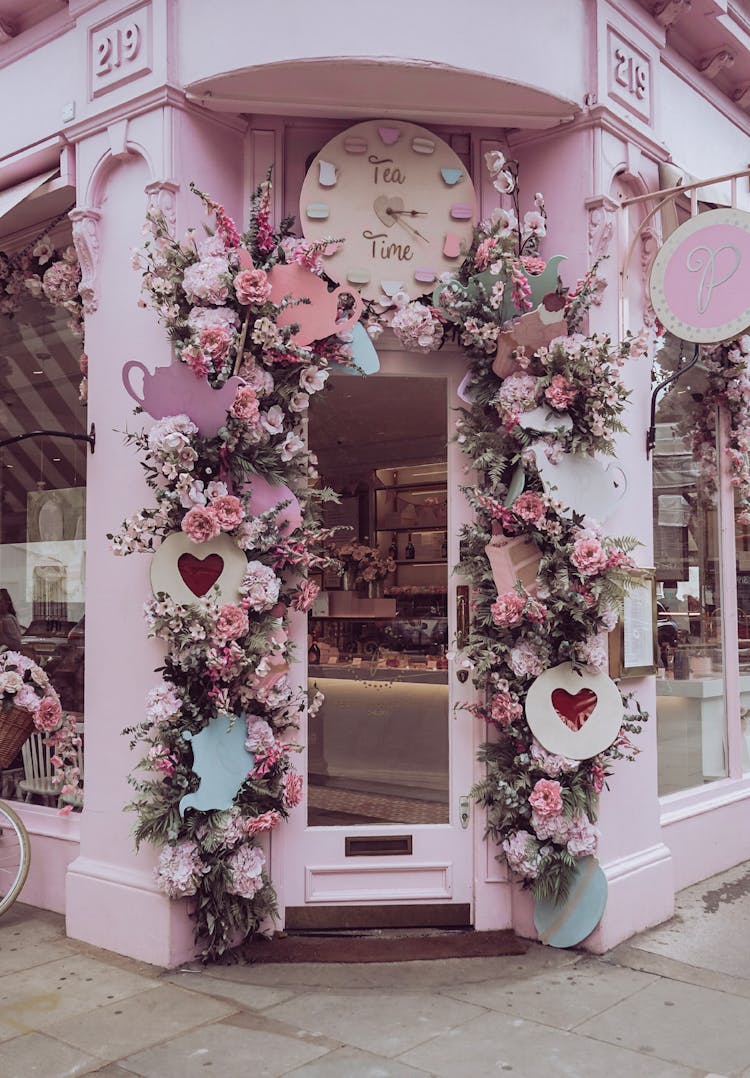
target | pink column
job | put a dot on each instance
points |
(112, 900)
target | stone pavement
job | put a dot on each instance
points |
(672, 1002)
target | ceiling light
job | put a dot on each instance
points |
(57, 459)
(37, 372)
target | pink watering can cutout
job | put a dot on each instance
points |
(316, 319)
(583, 484)
(175, 390)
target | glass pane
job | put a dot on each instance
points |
(742, 547)
(378, 748)
(42, 519)
(691, 712)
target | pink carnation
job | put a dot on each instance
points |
(525, 660)
(227, 511)
(530, 507)
(252, 287)
(306, 595)
(546, 798)
(231, 623)
(48, 714)
(292, 789)
(245, 405)
(200, 524)
(560, 393)
(588, 557)
(508, 609)
(266, 821)
(505, 709)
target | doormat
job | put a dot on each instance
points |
(390, 948)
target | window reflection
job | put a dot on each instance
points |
(42, 517)
(691, 711)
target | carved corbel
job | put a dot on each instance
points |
(601, 227)
(86, 242)
(650, 244)
(742, 96)
(710, 66)
(667, 12)
(162, 198)
(7, 32)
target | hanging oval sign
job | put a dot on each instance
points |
(574, 712)
(698, 281)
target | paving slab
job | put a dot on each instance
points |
(660, 966)
(379, 1022)
(680, 1022)
(254, 996)
(140, 1021)
(563, 998)
(225, 1051)
(37, 998)
(496, 1043)
(711, 926)
(36, 1055)
(352, 1063)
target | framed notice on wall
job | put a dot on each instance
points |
(632, 643)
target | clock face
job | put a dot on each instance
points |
(401, 200)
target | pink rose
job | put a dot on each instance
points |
(227, 511)
(48, 715)
(505, 709)
(231, 623)
(508, 609)
(588, 557)
(245, 405)
(252, 287)
(215, 341)
(200, 524)
(546, 798)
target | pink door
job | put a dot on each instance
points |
(384, 834)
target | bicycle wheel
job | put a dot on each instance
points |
(15, 855)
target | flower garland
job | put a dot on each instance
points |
(41, 270)
(726, 369)
(213, 295)
(25, 685)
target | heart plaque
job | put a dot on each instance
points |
(200, 576)
(574, 712)
(187, 571)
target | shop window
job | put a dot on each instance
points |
(691, 709)
(42, 515)
(742, 550)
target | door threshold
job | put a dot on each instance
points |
(342, 918)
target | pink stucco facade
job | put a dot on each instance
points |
(593, 97)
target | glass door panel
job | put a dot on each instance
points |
(377, 640)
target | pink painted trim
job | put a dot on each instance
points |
(45, 822)
(729, 607)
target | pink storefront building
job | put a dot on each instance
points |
(386, 128)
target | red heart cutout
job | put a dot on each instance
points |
(574, 710)
(200, 574)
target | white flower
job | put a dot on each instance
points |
(273, 420)
(312, 379)
(494, 160)
(291, 445)
(504, 183)
(534, 224)
(299, 402)
(504, 221)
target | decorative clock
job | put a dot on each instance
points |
(399, 197)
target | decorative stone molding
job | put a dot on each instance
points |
(601, 227)
(710, 66)
(650, 244)
(162, 196)
(667, 12)
(742, 96)
(86, 242)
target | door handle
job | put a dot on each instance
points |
(462, 616)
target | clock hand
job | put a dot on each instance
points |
(407, 213)
(412, 229)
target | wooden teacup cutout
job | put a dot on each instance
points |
(574, 712)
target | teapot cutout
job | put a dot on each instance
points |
(583, 484)
(540, 285)
(316, 319)
(175, 390)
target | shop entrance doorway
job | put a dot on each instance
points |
(384, 837)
